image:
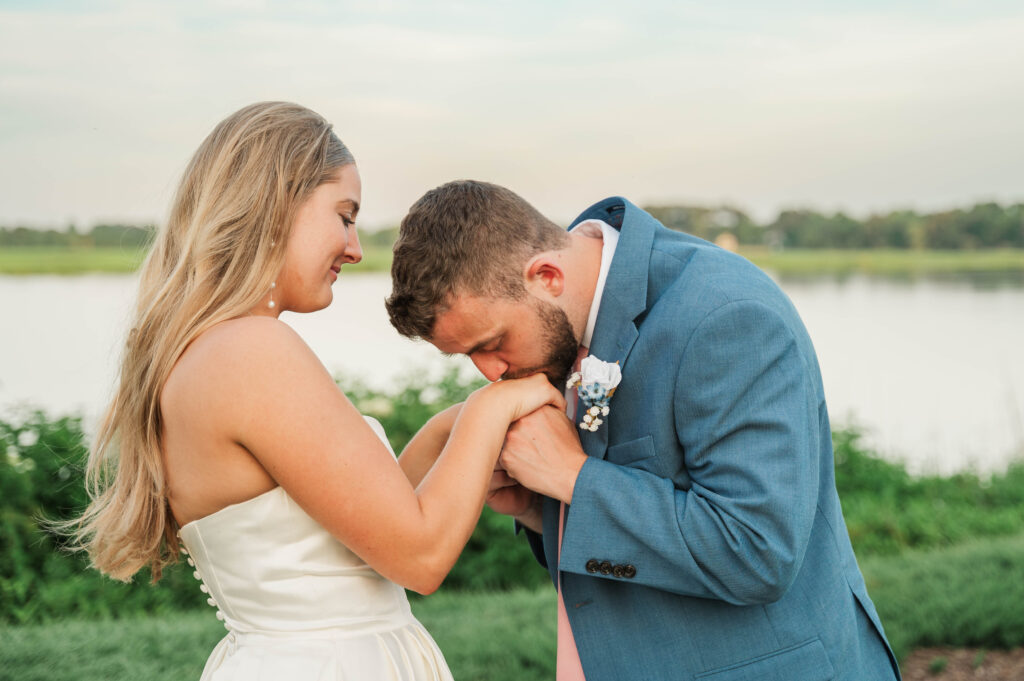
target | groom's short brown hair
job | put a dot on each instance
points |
(464, 237)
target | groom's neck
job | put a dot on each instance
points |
(583, 268)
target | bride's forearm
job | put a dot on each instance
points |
(426, 445)
(451, 494)
(449, 498)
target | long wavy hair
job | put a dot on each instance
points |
(215, 259)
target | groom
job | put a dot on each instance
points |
(693, 528)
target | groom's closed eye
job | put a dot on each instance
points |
(489, 345)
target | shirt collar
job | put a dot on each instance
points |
(598, 229)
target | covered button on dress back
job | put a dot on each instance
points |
(298, 605)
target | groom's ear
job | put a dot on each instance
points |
(544, 275)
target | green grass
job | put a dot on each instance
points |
(965, 595)
(376, 258)
(885, 262)
(505, 636)
(140, 649)
(67, 261)
(494, 636)
(47, 260)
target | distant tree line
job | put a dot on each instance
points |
(985, 225)
(100, 236)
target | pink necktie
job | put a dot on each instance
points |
(567, 664)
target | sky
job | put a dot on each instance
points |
(864, 106)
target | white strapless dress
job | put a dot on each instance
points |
(297, 604)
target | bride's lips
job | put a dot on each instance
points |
(334, 272)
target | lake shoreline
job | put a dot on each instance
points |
(929, 366)
(21, 261)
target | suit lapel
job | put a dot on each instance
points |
(624, 297)
(623, 300)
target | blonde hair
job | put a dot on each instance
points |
(215, 259)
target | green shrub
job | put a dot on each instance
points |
(41, 472)
(41, 465)
(888, 511)
(968, 595)
(41, 477)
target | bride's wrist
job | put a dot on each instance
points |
(489, 403)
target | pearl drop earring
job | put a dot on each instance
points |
(273, 285)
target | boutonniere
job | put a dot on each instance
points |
(595, 383)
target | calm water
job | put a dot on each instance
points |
(934, 371)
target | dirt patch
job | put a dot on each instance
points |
(960, 664)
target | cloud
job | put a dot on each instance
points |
(768, 106)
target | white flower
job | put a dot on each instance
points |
(376, 406)
(605, 374)
(594, 383)
(27, 438)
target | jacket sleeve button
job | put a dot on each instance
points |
(629, 572)
(618, 571)
(593, 566)
(606, 568)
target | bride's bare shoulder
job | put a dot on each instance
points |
(246, 334)
(239, 351)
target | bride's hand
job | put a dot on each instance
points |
(508, 497)
(517, 397)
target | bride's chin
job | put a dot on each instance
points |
(320, 303)
(326, 303)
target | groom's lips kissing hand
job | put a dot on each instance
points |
(554, 379)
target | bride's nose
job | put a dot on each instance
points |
(353, 251)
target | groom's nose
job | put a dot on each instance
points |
(491, 366)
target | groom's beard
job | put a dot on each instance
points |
(559, 343)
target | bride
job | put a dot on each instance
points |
(228, 441)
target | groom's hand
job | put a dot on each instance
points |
(542, 452)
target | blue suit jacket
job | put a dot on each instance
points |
(705, 538)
